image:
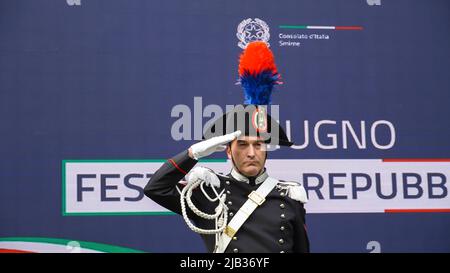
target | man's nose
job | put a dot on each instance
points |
(251, 151)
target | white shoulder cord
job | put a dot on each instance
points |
(221, 211)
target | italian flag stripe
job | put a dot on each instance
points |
(322, 27)
(56, 245)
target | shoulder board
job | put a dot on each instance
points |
(294, 190)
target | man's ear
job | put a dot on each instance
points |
(229, 150)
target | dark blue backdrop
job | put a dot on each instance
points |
(98, 81)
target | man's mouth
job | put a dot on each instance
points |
(252, 163)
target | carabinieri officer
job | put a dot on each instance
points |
(245, 211)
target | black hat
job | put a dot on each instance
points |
(251, 120)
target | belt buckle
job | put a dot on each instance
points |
(229, 231)
(256, 198)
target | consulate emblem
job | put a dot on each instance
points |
(250, 30)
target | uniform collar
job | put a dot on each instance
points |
(258, 180)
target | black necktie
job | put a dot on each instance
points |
(251, 181)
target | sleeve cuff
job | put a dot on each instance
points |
(183, 162)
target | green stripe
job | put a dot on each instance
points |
(63, 187)
(294, 27)
(218, 160)
(112, 160)
(83, 244)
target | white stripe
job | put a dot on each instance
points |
(320, 27)
(44, 247)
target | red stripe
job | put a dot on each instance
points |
(5, 250)
(348, 28)
(416, 160)
(176, 166)
(415, 210)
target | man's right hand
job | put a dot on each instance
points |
(209, 146)
(204, 174)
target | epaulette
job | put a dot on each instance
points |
(294, 190)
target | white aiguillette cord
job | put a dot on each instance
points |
(221, 211)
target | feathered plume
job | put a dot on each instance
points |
(258, 73)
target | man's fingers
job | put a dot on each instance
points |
(237, 133)
(221, 148)
(229, 137)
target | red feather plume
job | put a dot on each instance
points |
(256, 58)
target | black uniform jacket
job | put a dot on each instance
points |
(278, 225)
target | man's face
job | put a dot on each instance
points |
(249, 154)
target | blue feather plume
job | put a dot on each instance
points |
(258, 87)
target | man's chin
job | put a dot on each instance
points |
(251, 171)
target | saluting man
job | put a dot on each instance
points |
(246, 211)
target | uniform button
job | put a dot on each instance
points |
(282, 194)
(231, 214)
(282, 206)
(235, 250)
(282, 216)
(281, 241)
(228, 192)
(282, 251)
(227, 182)
(235, 238)
(230, 203)
(282, 228)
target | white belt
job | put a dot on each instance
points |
(255, 199)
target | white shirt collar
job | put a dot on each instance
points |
(239, 177)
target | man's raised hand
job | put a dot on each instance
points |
(209, 146)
